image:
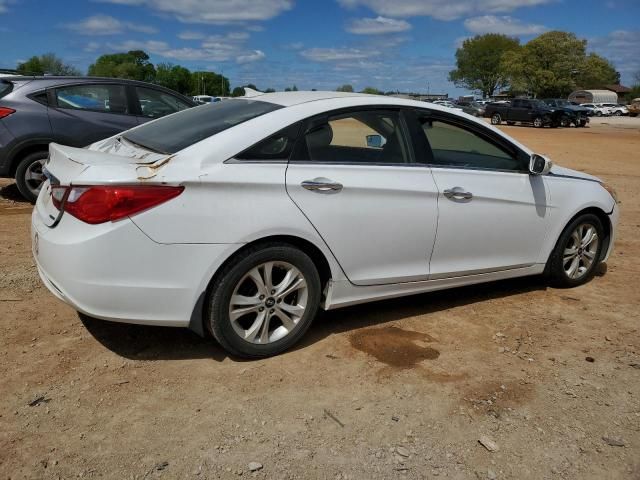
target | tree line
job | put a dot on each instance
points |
(551, 65)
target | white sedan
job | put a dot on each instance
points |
(242, 218)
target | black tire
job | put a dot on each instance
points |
(598, 114)
(555, 266)
(617, 113)
(633, 114)
(25, 185)
(538, 122)
(496, 119)
(565, 121)
(583, 123)
(219, 298)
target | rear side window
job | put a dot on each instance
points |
(156, 104)
(177, 132)
(99, 98)
(276, 147)
(5, 88)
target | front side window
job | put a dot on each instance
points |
(100, 98)
(177, 132)
(458, 147)
(369, 136)
(156, 104)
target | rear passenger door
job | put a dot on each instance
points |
(81, 114)
(353, 175)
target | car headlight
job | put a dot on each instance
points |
(611, 191)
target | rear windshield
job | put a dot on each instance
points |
(5, 87)
(181, 130)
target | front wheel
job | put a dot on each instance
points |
(617, 113)
(29, 175)
(496, 119)
(537, 122)
(264, 301)
(577, 252)
(565, 122)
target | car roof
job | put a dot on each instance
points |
(289, 99)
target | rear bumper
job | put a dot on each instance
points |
(115, 272)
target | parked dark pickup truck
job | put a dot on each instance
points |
(572, 112)
(523, 110)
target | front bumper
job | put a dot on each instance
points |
(115, 272)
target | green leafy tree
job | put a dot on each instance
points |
(174, 77)
(345, 88)
(237, 92)
(479, 63)
(372, 91)
(133, 65)
(209, 83)
(288, 89)
(49, 64)
(556, 63)
(270, 90)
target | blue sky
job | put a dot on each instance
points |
(405, 45)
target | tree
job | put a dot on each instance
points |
(47, 64)
(238, 92)
(371, 91)
(210, 83)
(345, 88)
(597, 71)
(270, 90)
(174, 77)
(479, 63)
(134, 65)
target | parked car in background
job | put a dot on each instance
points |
(597, 109)
(524, 110)
(447, 103)
(573, 114)
(202, 99)
(616, 109)
(440, 200)
(634, 107)
(472, 108)
(77, 111)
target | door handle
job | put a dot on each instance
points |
(322, 185)
(458, 193)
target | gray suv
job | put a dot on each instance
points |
(76, 111)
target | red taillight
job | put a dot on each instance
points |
(6, 111)
(101, 204)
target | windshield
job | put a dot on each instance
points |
(178, 131)
(539, 104)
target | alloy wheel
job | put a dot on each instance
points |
(580, 251)
(34, 177)
(537, 122)
(268, 302)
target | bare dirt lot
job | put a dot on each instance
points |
(397, 389)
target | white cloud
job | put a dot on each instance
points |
(335, 54)
(3, 6)
(440, 9)
(621, 47)
(214, 11)
(294, 46)
(377, 26)
(106, 25)
(190, 35)
(503, 24)
(91, 47)
(251, 57)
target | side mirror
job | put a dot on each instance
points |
(376, 141)
(539, 165)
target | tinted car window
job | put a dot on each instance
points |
(102, 98)
(5, 87)
(455, 146)
(156, 104)
(176, 132)
(358, 137)
(275, 147)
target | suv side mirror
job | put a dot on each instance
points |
(539, 165)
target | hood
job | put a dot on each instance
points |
(568, 172)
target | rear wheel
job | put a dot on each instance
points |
(598, 114)
(565, 121)
(537, 122)
(496, 119)
(617, 113)
(29, 176)
(264, 301)
(577, 252)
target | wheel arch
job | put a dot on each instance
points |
(198, 317)
(26, 149)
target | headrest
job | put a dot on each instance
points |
(320, 136)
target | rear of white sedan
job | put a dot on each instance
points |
(242, 218)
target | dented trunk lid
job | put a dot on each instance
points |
(113, 161)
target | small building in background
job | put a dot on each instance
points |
(594, 96)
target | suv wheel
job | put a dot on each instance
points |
(565, 122)
(537, 122)
(264, 301)
(496, 119)
(29, 176)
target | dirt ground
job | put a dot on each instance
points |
(396, 389)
